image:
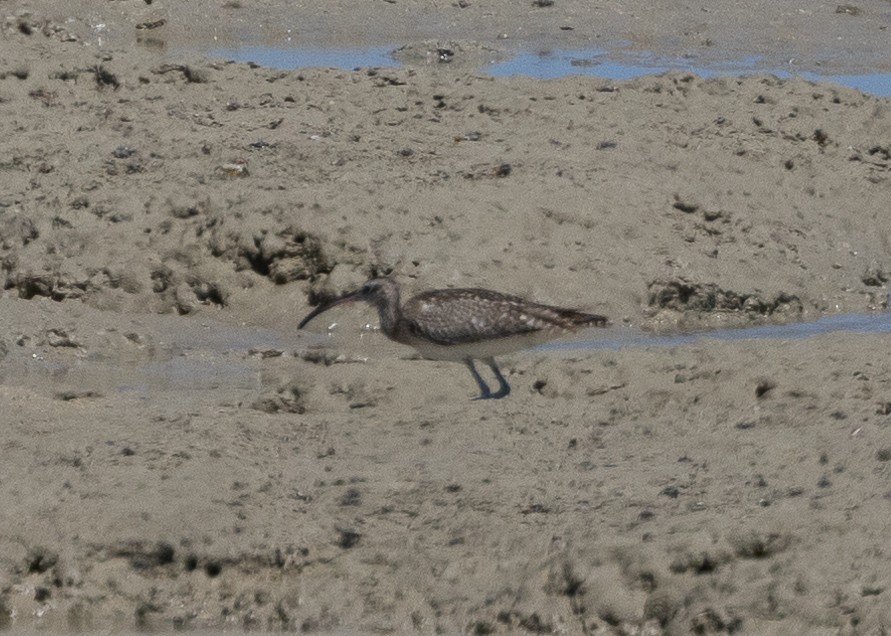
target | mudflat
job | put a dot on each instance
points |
(177, 456)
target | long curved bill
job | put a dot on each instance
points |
(350, 297)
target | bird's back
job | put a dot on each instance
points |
(464, 316)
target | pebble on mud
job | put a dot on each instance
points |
(347, 538)
(764, 387)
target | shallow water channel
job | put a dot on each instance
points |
(545, 64)
(198, 355)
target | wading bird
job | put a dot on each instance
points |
(463, 325)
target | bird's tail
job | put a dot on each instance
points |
(571, 319)
(580, 319)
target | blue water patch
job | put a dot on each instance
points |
(874, 323)
(559, 63)
(544, 64)
(562, 62)
(878, 84)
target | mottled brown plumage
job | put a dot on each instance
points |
(465, 324)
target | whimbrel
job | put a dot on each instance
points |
(462, 325)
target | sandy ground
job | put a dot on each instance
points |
(176, 456)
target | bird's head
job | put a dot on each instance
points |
(383, 293)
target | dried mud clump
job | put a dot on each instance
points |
(757, 545)
(875, 275)
(716, 621)
(464, 54)
(683, 296)
(145, 556)
(292, 255)
(40, 559)
(17, 230)
(194, 292)
(56, 285)
(285, 399)
(282, 256)
(29, 24)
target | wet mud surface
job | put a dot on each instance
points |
(176, 456)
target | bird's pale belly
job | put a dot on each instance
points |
(481, 349)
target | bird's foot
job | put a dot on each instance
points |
(497, 395)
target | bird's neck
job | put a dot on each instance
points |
(389, 313)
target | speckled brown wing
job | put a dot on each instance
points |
(462, 316)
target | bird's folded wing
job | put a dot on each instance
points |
(464, 316)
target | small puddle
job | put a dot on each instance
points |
(178, 355)
(288, 58)
(549, 64)
(211, 356)
(873, 323)
(562, 62)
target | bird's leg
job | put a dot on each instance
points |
(503, 386)
(485, 392)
